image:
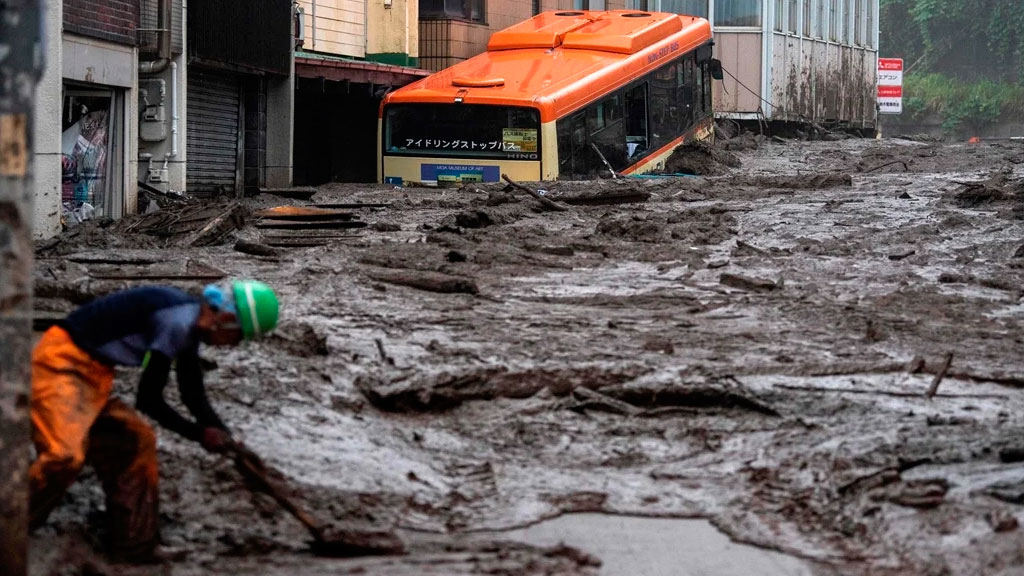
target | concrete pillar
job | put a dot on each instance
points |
(280, 128)
(46, 129)
(172, 149)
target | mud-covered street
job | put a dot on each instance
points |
(820, 351)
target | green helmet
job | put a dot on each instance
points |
(256, 306)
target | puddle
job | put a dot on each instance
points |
(637, 546)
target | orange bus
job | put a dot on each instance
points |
(563, 95)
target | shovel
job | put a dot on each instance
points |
(326, 542)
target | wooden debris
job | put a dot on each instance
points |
(310, 225)
(938, 377)
(383, 353)
(902, 255)
(747, 283)
(589, 399)
(213, 232)
(545, 202)
(256, 248)
(429, 281)
(349, 205)
(880, 166)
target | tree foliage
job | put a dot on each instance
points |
(965, 39)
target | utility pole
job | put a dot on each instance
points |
(21, 63)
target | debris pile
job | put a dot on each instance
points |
(304, 226)
(701, 159)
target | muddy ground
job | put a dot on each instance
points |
(755, 348)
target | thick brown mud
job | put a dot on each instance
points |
(755, 348)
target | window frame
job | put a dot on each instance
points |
(465, 15)
(713, 16)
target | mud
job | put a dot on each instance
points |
(701, 159)
(755, 349)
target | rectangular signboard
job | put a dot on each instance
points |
(890, 85)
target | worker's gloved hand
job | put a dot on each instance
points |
(215, 440)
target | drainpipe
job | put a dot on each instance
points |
(174, 111)
(163, 25)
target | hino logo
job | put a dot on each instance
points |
(522, 156)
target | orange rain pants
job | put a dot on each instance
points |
(74, 421)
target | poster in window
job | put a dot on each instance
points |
(519, 139)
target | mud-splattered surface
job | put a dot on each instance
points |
(754, 348)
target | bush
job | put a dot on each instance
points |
(963, 105)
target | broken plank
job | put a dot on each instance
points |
(167, 276)
(255, 248)
(429, 281)
(319, 225)
(546, 202)
(349, 205)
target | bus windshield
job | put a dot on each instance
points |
(462, 130)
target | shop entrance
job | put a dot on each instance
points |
(91, 150)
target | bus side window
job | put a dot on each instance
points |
(637, 142)
(607, 133)
(698, 92)
(686, 94)
(572, 142)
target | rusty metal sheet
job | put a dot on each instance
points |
(303, 213)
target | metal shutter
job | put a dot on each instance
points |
(214, 130)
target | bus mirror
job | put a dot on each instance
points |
(716, 69)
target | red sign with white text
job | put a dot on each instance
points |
(890, 91)
(890, 85)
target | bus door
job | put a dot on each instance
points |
(637, 139)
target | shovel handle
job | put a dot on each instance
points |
(252, 468)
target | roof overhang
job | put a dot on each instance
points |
(338, 69)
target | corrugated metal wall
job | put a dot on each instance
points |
(818, 81)
(214, 131)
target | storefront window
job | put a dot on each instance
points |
(588, 5)
(472, 10)
(689, 7)
(739, 13)
(86, 143)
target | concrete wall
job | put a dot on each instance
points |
(336, 26)
(392, 32)
(46, 131)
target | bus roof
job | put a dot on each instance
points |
(560, 61)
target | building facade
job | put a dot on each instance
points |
(349, 54)
(162, 93)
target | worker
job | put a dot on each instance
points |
(76, 420)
